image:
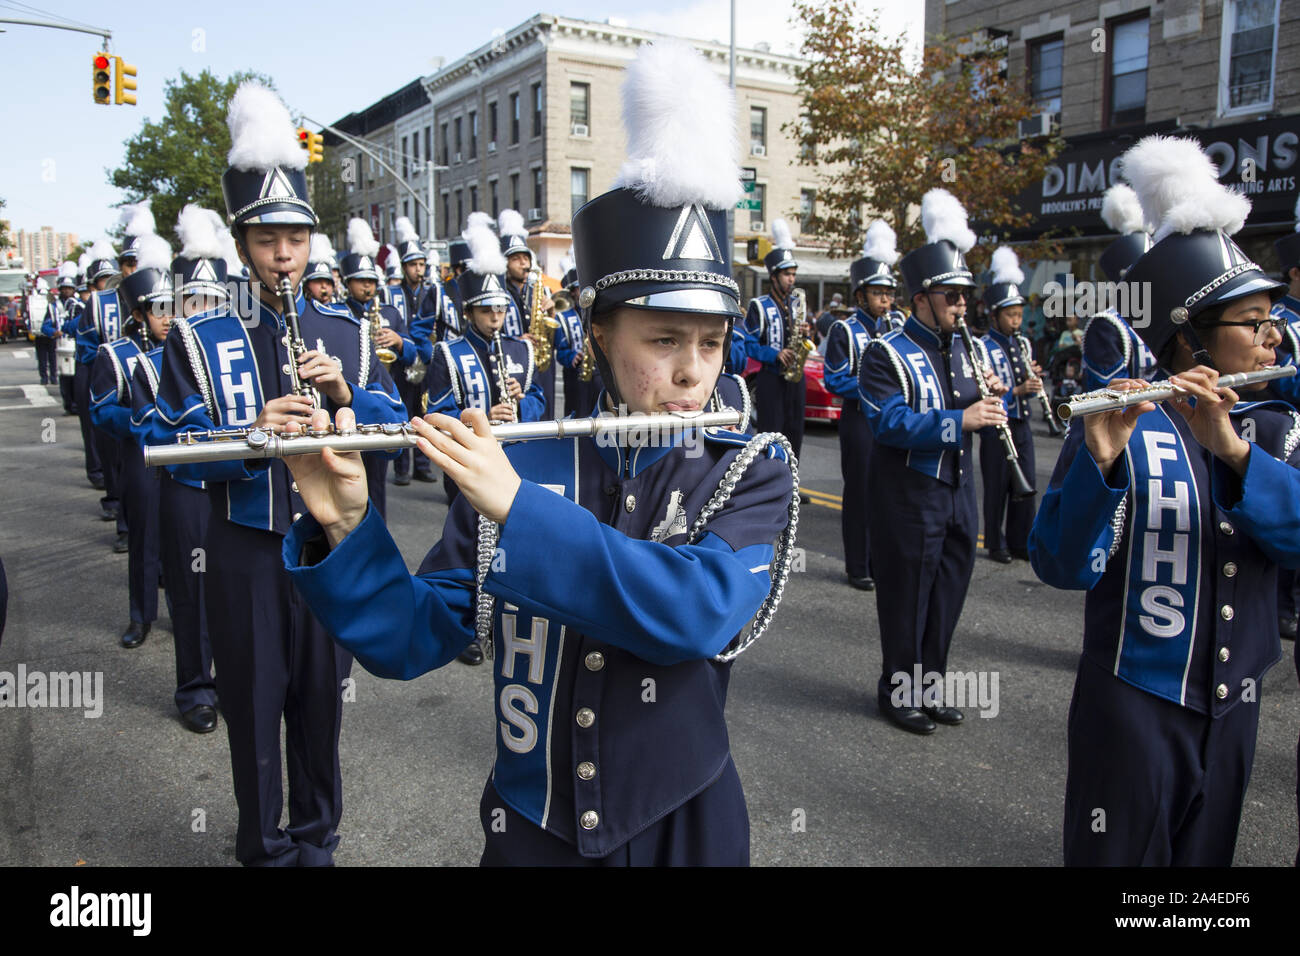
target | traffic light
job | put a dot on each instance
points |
(313, 143)
(756, 250)
(123, 82)
(100, 73)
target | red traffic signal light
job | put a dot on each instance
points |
(101, 77)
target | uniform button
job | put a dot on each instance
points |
(595, 661)
(297, 515)
(956, 394)
(586, 717)
(1224, 655)
(590, 819)
(1226, 612)
(586, 770)
(1225, 527)
(1229, 569)
(1221, 691)
(630, 503)
(294, 486)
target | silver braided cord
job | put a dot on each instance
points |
(1117, 522)
(784, 553)
(489, 534)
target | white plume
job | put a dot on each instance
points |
(1006, 266)
(1297, 214)
(781, 237)
(67, 269)
(321, 249)
(102, 250)
(262, 134)
(1178, 187)
(432, 260)
(360, 239)
(566, 263)
(881, 243)
(477, 219)
(228, 251)
(83, 262)
(680, 118)
(153, 252)
(943, 217)
(484, 250)
(392, 261)
(1121, 211)
(510, 223)
(137, 219)
(197, 229)
(405, 230)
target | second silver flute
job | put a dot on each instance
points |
(246, 443)
(1110, 399)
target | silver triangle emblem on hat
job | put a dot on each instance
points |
(692, 237)
(491, 284)
(364, 263)
(1012, 291)
(276, 185)
(205, 272)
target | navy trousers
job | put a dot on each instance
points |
(183, 518)
(47, 363)
(66, 392)
(546, 380)
(780, 406)
(376, 465)
(139, 489)
(110, 457)
(997, 488)
(922, 553)
(579, 396)
(1288, 582)
(1151, 783)
(710, 829)
(855, 460)
(81, 395)
(412, 397)
(274, 663)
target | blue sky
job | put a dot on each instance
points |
(57, 144)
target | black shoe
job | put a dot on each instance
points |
(97, 483)
(1020, 554)
(1286, 626)
(401, 479)
(862, 584)
(135, 634)
(121, 546)
(944, 715)
(1000, 556)
(908, 718)
(472, 654)
(201, 719)
(426, 476)
(803, 499)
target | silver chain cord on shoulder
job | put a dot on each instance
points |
(489, 534)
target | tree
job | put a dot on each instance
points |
(329, 198)
(882, 132)
(180, 158)
(5, 241)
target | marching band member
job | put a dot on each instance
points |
(63, 319)
(587, 772)
(1174, 520)
(99, 320)
(780, 403)
(448, 324)
(1288, 307)
(570, 350)
(274, 662)
(1111, 349)
(419, 306)
(519, 260)
(318, 279)
(147, 290)
(873, 285)
(923, 403)
(200, 273)
(1012, 358)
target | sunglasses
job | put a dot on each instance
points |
(953, 296)
(1262, 327)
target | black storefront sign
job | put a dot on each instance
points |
(1260, 158)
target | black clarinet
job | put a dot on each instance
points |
(294, 344)
(1020, 486)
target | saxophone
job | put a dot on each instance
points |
(503, 382)
(540, 327)
(588, 364)
(383, 353)
(794, 336)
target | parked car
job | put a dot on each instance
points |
(820, 404)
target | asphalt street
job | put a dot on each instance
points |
(827, 781)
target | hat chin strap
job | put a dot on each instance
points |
(1199, 354)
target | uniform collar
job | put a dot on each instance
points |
(922, 334)
(1002, 340)
(863, 316)
(274, 316)
(631, 460)
(1290, 302)
(356, 305)
(473, 335)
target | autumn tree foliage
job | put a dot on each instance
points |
(881, 130)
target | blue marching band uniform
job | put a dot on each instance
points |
(779, 403)
(1288, 353)
(100, 322)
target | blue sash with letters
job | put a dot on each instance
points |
(922, 389)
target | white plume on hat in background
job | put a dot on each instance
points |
(944, 217)
(153, 252)
(321, 248)
(197, 229)
(484, 249)
(405, 230)
(680, 118)
(102, 250)
(1121, 211)
(781, 237)
(361, 240)
(476, 218)
(262, 134)
(83, 262)
(1006, 266)
(510, 223)
(228, 251)
(67, 269)
(1178, 187)
(137, 219)
(1297, 214)
(881, 243)
(567, 262)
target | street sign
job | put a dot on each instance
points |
(748, 174)
(750, 205)
(748, 187)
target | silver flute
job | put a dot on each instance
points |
(1110, 399)
(236, 444)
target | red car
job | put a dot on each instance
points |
(820, 403)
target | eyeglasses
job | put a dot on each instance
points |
(1263, 327)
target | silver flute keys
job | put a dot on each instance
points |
(1111, 399)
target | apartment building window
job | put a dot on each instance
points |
(1046, 69)
(514, 118)
(807, 209)
(758, 217)
(446, 214)
(1248, 55)
(457, 124)
(473, 135)
(537, 188)
(1127, 50)
(580, 108)
(406, 209)
(444, 144)
(579, 188)
(406, 169)
(537, 109)
(415, 147)
(428, 153)
(473, 198)
(758, 130)
(514, 190)
(460, 209)
(496, 203)
(492, 122)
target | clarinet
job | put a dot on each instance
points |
(1020, 486)
(499, 360)
(294, 344)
